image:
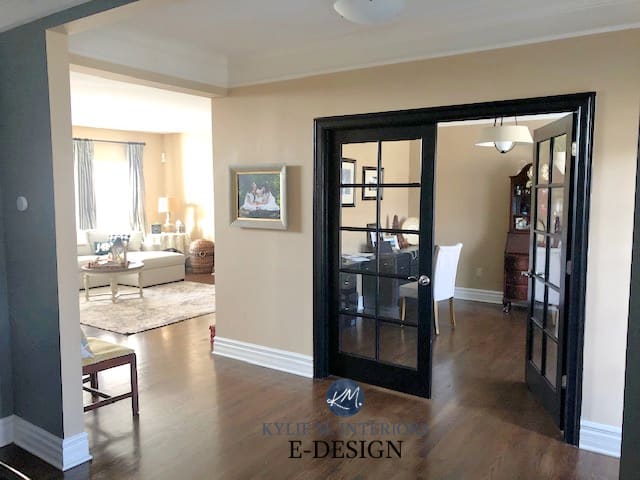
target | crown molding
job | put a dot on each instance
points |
(256, 69)
(124, 73)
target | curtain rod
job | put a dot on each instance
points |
(110, 141)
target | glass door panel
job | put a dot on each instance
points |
(559, 159)
(357, 336)
(543, 163)
(542, 209)
(398, 344)
(401, 162)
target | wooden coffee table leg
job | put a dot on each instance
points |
(140, 283)
(85, 278)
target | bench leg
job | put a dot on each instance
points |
(93, 379)
(134, 386)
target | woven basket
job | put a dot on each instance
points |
(200, 256)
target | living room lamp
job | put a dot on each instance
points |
(163, 207)
(504, 137)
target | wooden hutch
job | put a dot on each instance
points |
(516, 254)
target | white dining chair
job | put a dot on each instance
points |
(445, 262)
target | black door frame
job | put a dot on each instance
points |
(629, 459)
(582, 103)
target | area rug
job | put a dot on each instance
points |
(162, 305)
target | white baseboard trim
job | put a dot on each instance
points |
(6, 430)
(61, 453)
(600, 438)
(478, 295)
(274, 358)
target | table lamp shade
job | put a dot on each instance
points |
(163, 204)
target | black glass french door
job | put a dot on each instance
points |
(381, 223)
(549, 257)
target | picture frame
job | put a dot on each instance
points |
(370, 178)
(156, 228)
(258, 196)
(348, 177)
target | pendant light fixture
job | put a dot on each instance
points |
(504, 137)
(369, 12)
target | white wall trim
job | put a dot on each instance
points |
(478, 295)
(61, 453)
(274, 358)
(600, 438)
(6, 430)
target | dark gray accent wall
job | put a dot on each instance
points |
(6, 385)
(30, 266)
(630, 460)
(26, 169)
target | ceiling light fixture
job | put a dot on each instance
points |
(369, 12)
(504, 137)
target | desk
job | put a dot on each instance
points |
(163, 241)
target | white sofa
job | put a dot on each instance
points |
(159, 266)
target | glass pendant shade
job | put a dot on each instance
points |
(504, 137)
(369, 11)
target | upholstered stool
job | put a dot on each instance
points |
(108, 355)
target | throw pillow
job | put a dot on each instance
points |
(85, 348)
(135, 241)
(122, 236)
(102, 248)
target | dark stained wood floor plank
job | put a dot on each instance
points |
(201, 416)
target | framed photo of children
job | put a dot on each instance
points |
(348, 176)
(259, 196)
(371, 181)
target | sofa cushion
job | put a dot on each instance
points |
(136, 238)
(97, 236)
(154, 259)
(82, 241)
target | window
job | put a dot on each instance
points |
(111, 183)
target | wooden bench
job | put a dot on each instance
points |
(108, 355)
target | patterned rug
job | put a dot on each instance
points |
(162, 305)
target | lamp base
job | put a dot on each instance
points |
(168, 228)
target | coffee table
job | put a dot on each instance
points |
(112, 274)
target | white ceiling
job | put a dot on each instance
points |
(103, 103)
(237, 42)
(17, 12)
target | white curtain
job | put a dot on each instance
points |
(137, 217)
(86, 198)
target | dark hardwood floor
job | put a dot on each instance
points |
(201, 417)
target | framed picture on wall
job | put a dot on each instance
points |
(370, 181)
(259, 196)
(348, 176)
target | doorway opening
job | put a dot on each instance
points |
(383, 297)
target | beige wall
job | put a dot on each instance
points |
(186, 176)
(273, 123)
(473, 199)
